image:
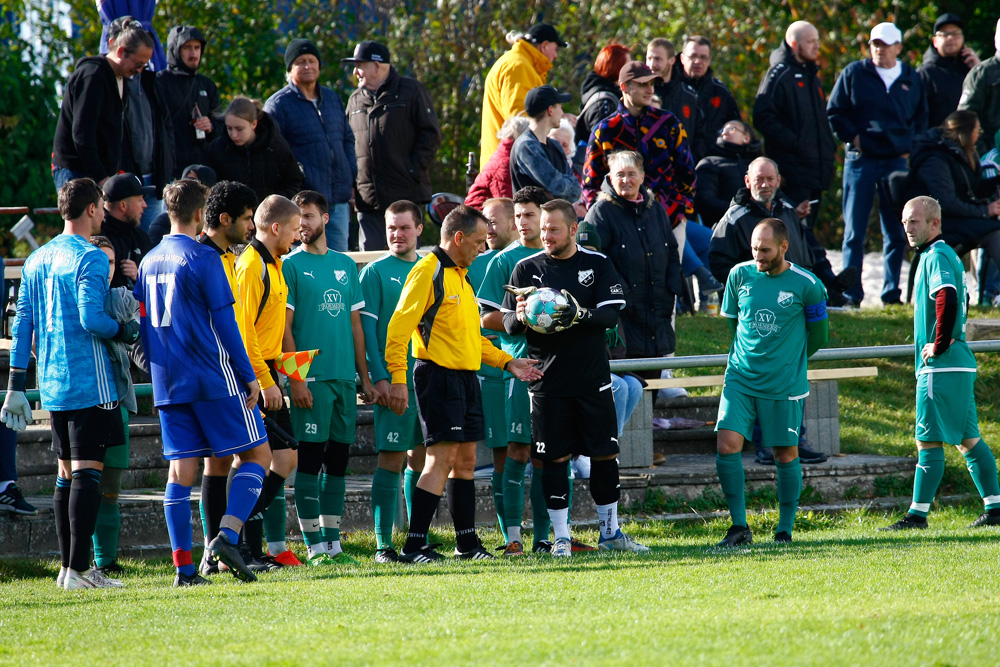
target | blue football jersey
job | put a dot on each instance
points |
(188, 329)
(61, 306)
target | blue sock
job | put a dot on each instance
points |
(177, 509)
(243, 493)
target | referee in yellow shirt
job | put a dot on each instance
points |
(437, 313)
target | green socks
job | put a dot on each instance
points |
(983, 468)
(307, 507)
(513, 492)
(930, 470)
(730, 470)
(109, 522)
(497, 481)
(275, 516)
(789, 489)
(385, 490)
(332, 494)
(410, 479)
(539, 511)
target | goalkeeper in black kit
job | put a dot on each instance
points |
(572, 410)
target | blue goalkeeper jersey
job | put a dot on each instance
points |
(61, 306)
(188, 325)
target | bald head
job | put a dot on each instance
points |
(803, 38)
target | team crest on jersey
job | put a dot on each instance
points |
(617, 289)
(764, 322)
(785, 298)
(586, 278)
(341, 276)
(332, 302)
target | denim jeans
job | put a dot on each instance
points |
(862, 178)
(627, 392)
(336, 227)
(695, 253)
(62, 175)
(372, 232)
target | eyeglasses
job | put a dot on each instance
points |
(729, 129)
(945, 34)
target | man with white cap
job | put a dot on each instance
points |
(877, 107)
(981, 93)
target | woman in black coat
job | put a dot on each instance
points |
(636, 235)
(600, 92)
(720, 176)
(253, 152)
(944, 165)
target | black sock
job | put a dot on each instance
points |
(254, 526)
(84, 501)
(425, 504)
(215, 498)
(60, 506)
(462, 503)
(604, 484)
(555, 484)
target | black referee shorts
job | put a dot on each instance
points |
(83, 435)
(449, 403)
(282, 417)
(569, 425)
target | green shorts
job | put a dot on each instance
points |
(517, 409)
(946, 407)
(398, 433)
(118, 455)
(780, 420)
(334, 414)
(494, 411)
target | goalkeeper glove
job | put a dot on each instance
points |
(16, 412)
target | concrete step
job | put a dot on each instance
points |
(682, 476)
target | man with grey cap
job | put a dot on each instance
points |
(524, 67)
(981, 93)
(396, 136)
(123, 208)
(536, 159)
(312, 121)
(876, 108)
(947, 62)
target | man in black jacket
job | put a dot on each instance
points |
(677, 97)
(946, 63)
(715, 103)
(189, 98)
(89, 133)
(396, 136)
(123, 208)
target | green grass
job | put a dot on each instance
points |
(876, 414)
(842, 594)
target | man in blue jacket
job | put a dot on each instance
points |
(312, 121)
(876, 108)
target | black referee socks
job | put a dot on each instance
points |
(462, 503)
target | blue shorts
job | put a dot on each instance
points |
(210, 428)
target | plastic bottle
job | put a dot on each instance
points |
(712, 305)
(195, 115)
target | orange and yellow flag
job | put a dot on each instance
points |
(295, 364)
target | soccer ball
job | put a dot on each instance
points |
(541, 309)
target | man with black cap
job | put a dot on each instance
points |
(981, 93)
(190, 98)
(946, 63)
(396, 136)
(123, 208)
(312, 121)
(524, 67)
(535, 159)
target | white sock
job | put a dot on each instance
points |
(608, 516)
(560, 522)
(513, 534)
(315, 549)
(333, 547)
(4, 484)
(275, 548)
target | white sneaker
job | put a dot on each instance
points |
(621, 542)
(75, 581)
(100, 581)
(61, 579)
(561, 548)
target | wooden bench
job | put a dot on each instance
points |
(822, 411)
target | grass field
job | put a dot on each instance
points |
(842, 594)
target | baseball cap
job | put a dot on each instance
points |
(368, 52)
(544, 32)
(123, 186)
(635, 70)
(887, 33)
(948, 19)
(539, 99)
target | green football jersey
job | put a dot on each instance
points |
(477, 271)
(323, 290)
(381, 284)
(940, 268)
(491, 292)
(768, 356)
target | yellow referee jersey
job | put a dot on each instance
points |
(264, 322)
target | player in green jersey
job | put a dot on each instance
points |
(946, 371)
(324, 300)
(777, 312)
(398, 439)
(500, 233)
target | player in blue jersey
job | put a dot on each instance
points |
(203, 383)
(61, 307)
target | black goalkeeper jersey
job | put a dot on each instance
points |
(575, 361)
